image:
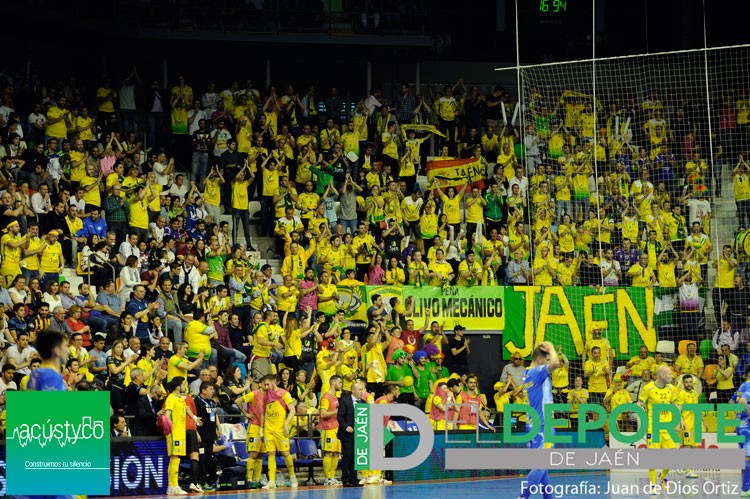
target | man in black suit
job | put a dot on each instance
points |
(346, 433)
(147, 409)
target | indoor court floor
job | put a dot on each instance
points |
(595, 485)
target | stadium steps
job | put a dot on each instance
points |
(723, 226)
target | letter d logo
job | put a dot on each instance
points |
(426, 437)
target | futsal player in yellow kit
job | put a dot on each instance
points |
(659, 391)
(255, 401)
(688, 395)
(279, 414)
(176, 411)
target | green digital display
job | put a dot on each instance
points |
(553, 6)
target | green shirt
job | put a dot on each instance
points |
(215, 266)
(422, 384)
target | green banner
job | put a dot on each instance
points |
(58, 443)
(361, 436)
(566, 316)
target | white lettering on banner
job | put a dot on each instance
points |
(134, 471)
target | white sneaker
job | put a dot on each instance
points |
(745, 493)
(169, 490)
(195, 488)
(363, 481)
(691, 474)
(177, 491)
(334, 481)
(385, 482)
(293, 482)
(372, 479)
(327, 482)
(270, 485)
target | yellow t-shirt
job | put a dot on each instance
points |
(57, 130)
(93, 195)
(173, 369)
(651, 395)
(212, 191)
(270, 182)
(32, 262)
(464, 267)
(327, 307)
(475, 213)
(178, 414)
(276, 413)
(138, 214)
(543, 278)
(262, 332)
(686, 365)
(77, 172)
(108, 105)
(452, 208)
(725, 274)
(598, 380)
(85, 124)
(197, 340)
(51, 258)
(11, 256)
(239, 195)
(439, 271)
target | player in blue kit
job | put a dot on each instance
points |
(743, 430)
(538, 386)
(52, 346)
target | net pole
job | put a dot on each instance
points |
(709, 110)
(594, 161)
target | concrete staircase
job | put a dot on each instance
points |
(724, 223)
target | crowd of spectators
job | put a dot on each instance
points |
(620, 197)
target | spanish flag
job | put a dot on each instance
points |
(456, 172)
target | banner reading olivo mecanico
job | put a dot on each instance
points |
(478, 308)
(566, 316)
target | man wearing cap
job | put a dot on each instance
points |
(11, 244)
(52, 260)
(459, 347)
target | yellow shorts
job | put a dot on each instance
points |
(276, 441)
(688, 437)
(329, 441)
(438, 425)
(467, 427)
(665, 441)
(253, 440)
(176, 446)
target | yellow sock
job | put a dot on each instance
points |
(327, 466)
(652, 476)
(250, 469)
(173, 471)
(289, 460)
(272, 467)
(688, 471)
(664, 473)
(258, 469)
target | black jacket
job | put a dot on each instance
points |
(144, 423)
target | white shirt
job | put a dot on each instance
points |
(159, 170)
(209, 101)
(79, 203)
(18, 358)
(178, 191)
(127, 97)
(39, 119)
(127, 249)
(371, 102)
(611, 279)
(194, 125)
(523, 186)
(697, 209)
(39, 204)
